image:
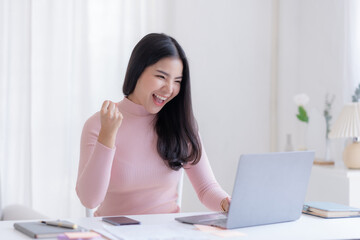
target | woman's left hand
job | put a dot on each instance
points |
(225, 204)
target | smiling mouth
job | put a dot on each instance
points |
(159, 100)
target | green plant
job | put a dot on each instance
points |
(327, 112)
(301, 100)
(356, 96)
(302, 115)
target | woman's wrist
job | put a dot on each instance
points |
(107, 140)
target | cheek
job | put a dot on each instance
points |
(149, 87)
(176, 90)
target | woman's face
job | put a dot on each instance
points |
(158, 84)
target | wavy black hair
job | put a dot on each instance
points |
(178, 140)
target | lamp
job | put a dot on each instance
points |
(348, 126)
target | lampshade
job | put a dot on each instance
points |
(348, 126)
(348, 123)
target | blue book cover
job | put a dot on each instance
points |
(330, 210)
(330, 207)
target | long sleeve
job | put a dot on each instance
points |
(132, 178)
(203, 180)
(94, 166)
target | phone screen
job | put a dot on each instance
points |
(120, 220)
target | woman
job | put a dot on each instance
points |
(131, 150)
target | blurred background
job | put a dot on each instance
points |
(60, 59)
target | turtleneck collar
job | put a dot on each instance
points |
(133, 108)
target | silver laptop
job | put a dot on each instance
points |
(269, 188)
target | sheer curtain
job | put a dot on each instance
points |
(352, 47)
(15, 107)
(59, 60)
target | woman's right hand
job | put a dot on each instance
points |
(111, 119)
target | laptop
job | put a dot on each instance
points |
(269, 188)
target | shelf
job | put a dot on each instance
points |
(337, 170)
(335, 184)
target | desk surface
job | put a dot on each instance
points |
(307, 227)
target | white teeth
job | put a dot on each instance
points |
(160, 97)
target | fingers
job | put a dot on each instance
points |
(118, 115)
(225, 204)
(109, 108)
(228, 200)
(110, 118)
(104, 106)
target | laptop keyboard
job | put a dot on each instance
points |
(214, 217)
(217, 223)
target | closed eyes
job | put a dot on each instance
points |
(164, 75)
(160, 76)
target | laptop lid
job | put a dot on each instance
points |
(269, 188)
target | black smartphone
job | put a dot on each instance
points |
(117, 221)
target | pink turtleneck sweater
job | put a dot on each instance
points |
(132, 178)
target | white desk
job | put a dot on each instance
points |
(307, 227)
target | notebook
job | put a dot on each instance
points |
(41, 230)
(269, 188)
(330, 210)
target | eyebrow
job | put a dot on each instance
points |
(165, 73)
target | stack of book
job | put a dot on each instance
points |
(330, 210)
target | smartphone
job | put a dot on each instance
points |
(117, 221)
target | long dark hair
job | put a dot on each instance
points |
(178, 141)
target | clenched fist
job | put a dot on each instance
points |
(111, 119)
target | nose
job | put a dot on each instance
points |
(169, 87)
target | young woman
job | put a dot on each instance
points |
(131, 151)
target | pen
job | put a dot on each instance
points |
(60, 224)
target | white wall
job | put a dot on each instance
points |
(228, 44)
(229, 47)
(311, 60)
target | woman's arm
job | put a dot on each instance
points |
(207, 188)
(97, 154)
